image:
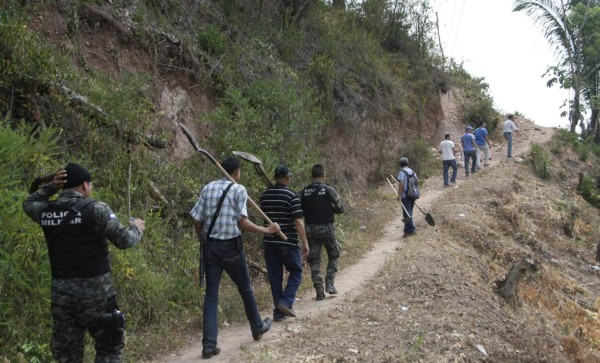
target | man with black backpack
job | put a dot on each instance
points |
(408, 192)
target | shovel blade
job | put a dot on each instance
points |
(247, 156)
(429, 219)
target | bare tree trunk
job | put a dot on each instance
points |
(508, 287)
(596, 122)
(575, 114)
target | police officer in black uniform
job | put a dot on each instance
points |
(83, 297)
(319, 204)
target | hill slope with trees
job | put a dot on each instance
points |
(105, 84)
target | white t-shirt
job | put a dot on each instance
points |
(447, 153)
(509, 126)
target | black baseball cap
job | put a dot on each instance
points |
(282, 171)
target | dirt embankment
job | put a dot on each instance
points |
(431, 298)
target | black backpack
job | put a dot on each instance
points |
(412, 189)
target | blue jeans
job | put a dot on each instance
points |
(470, 154)
(447, 165)
(276, 258)
(226, 256)
(409, 204)
(508, 137)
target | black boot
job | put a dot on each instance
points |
(320, 294)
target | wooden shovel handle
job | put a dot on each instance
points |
(226, 174)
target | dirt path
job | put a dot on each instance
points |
(349, 282)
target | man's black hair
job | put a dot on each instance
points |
(318, 171)
(230, 164)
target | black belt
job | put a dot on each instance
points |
(224, 241)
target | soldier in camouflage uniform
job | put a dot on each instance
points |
(319, 204)
(83, 296)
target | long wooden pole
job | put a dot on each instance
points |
(192, 140)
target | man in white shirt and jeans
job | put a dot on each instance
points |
(447, 149)
(509, 127)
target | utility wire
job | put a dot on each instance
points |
(458, 26)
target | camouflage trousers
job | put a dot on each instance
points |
(70, 323)
(319, 236)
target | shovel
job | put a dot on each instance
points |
(428, 216)
(405, 220)
(194, 143)
(257, 163)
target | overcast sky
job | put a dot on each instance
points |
(506, 49)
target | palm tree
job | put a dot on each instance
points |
(552, 16)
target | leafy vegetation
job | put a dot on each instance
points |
(277, 87)
(540, 161)
(572, 27)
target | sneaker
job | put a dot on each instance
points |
(320, 294)
(449, 186)
(452, 181)
(257, 334)
(488, 164)
(331, 290)
(408, 234)
(286, 310)
(209, 353)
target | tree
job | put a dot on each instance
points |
(294, 10)
(553, 17)
(339, 4)
(586, 15)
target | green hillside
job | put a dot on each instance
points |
(105, 84)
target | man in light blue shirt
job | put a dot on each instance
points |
(409, 203)
(468, 144)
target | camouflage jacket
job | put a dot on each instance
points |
(65, 291)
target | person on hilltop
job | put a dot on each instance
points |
(448, 149)
(408, 202)
(225, 252)
(320, 202)
(83, 298)
(469, 150)
(282, 205)
(482, 142)
(509, 128)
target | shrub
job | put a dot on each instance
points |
(540, 161)
(212, 40)
(421, 159)
(24, 266)
(588, 190)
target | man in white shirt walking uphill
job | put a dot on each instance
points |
(509, 127)
(447, 149)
